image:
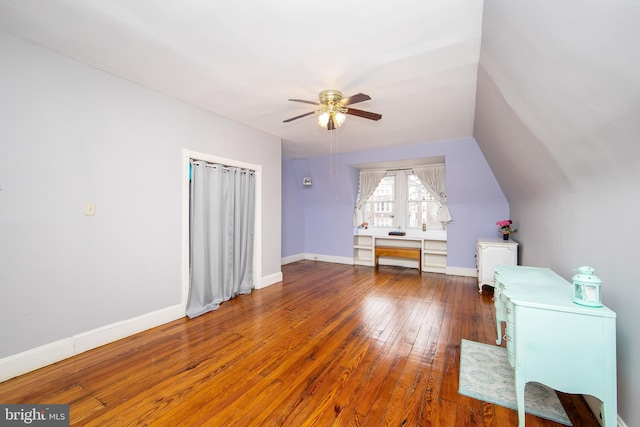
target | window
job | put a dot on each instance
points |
(422, 207)
(378, 210)
(401, 201)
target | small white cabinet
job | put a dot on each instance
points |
(493, 251)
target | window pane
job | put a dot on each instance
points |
(422, 207)
(379, 209)
(379, 214)
(423, 213)
(415, 189)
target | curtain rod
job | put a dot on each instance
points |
(403, 168)
(223, 167)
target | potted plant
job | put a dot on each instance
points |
(505, 227)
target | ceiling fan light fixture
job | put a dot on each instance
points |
(323, 120)
(338, 119)
(333, 109)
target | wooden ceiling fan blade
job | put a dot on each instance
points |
(306, 102)
(359, 97)
(364, 114)
(299, 117)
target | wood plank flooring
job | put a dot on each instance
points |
(332, 345)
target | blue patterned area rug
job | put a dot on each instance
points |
(485, 374)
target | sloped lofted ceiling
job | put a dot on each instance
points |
(559, 87)
(243, 60)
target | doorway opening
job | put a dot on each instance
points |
(189, 156)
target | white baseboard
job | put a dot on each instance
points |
(317, 257)
(329, 258)
(270, 280)
(292, 258)
(107, 334)
(36, 358)
(461, 271)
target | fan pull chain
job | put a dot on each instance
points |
(333, 161)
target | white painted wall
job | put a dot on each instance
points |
(72, 134)
(558, 119)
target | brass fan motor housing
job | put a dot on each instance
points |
(330, 101)
(327, 96)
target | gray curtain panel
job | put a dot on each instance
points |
(222, 214)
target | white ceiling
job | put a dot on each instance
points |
(242, 60)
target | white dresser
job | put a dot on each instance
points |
(554, 341)
(493, 251)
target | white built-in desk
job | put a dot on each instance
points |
(554, 341)
(432, 246)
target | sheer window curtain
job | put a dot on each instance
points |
(435, 181)
(369, 180)
(222, 213)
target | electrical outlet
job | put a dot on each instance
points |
(89, 209)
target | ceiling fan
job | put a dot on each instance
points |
(333, 109)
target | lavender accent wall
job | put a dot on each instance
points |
(475, 199)
(293, 216)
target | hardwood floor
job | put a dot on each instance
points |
(331, 345)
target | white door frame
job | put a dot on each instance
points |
(187, 156)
